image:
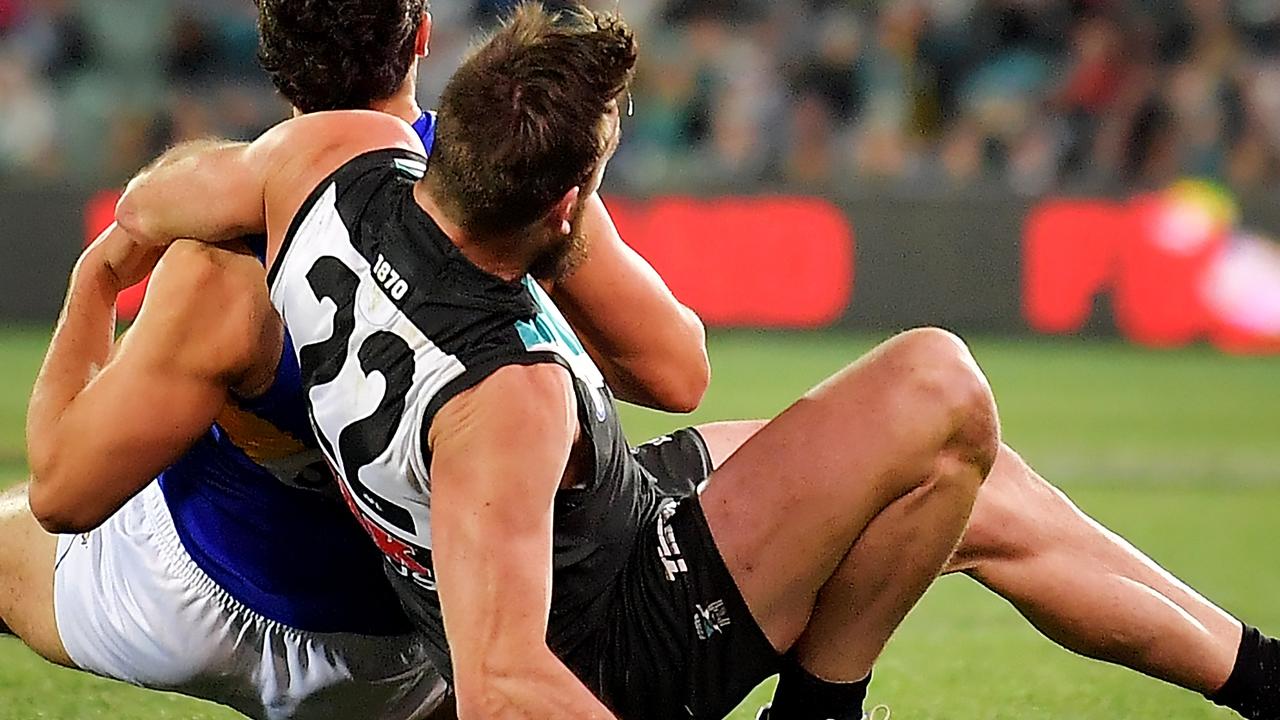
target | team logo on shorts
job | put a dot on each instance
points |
(710, 620)
(668, 549)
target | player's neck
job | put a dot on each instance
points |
(499, 256)
(403, 105)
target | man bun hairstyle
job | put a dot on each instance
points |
(337, 54)
(521, 122)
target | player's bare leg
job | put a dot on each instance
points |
(1080, 584)
(1092, 592)
(26, 577)
(838, 515)
(1088, 589)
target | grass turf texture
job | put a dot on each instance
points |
(1176, 451)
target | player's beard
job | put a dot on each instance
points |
(564, 253)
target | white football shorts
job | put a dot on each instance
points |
(132, 605)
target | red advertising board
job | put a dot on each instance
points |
(1174, 264)
(761, 262)
(782, 262)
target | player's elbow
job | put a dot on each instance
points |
(685, 392)
(54, 521)
(52, 503)
(50, 508)
(61, 518)
(683, 383)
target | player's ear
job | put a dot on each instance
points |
(561, 217)
(423, 41)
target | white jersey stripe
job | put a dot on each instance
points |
(353, 394)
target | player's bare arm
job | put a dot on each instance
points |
(104, 420)
(219, 191)
(224, 179)
(651, 348)
(491, 524)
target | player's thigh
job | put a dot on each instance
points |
(1017, 513)
(784, 508)
(27, 559)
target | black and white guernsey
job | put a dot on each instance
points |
(390, 321)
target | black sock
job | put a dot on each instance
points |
(801, 696)
(1253, 690)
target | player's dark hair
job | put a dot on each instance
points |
(337, 54)
(520, 124)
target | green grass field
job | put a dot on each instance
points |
(1179, 452)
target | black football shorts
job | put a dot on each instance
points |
(677, 640)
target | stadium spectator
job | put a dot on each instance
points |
(26, 119)
(1022, 95)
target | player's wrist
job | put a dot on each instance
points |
(117, 260)
(93, 274)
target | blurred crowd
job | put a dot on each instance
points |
(1027, 96)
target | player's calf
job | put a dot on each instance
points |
(1087, 588)
(1092, 592)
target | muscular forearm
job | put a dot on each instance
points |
(651, 348)
(81, 345)
(492, 517)
(503, 668)
(656, 361)
(191, 191)
(538, 687)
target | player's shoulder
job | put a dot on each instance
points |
(509, 400)
(299, 155)
(195, 273)
(344, 132)
(213, 300)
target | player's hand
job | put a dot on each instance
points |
(123, 261)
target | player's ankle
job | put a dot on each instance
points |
(1253, 690)
(804, 696)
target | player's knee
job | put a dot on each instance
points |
(938, 372)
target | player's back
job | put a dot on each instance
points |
(391, 321)
(257, 509)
